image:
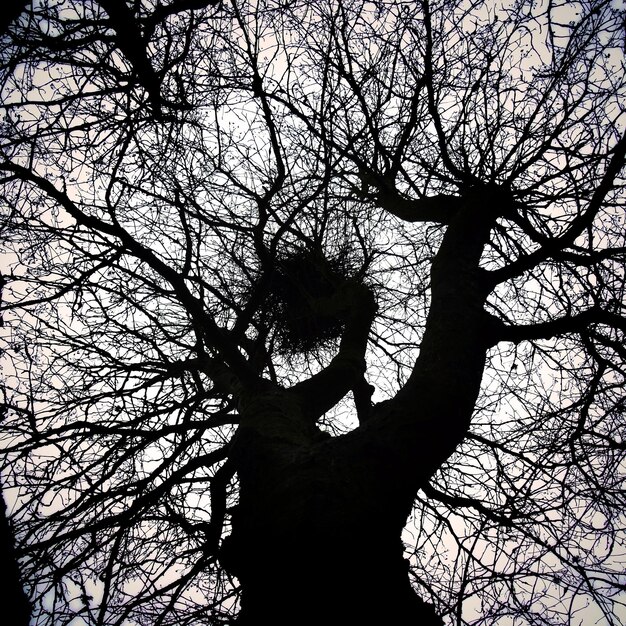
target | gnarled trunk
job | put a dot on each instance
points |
(316, 538)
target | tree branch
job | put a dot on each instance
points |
(323, 390)
(576, 323)
(456, 502)
(551, 247)
(162, 12)
(132, 43)
(440, 208)
(459, 174)
(214, 335)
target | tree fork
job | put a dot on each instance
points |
(321, 518)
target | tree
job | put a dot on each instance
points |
(314, 311)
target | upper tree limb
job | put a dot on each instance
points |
(558, 326)
(553, 246)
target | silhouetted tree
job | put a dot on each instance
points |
(314, 311)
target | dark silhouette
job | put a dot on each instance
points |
(12, 594)
(314, 312)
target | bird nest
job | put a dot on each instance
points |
(306, 299)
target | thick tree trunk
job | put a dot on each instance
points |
(316, 537)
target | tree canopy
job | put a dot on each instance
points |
(405, 220)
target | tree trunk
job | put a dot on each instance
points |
(316, 535)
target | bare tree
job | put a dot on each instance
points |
(314, 311)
